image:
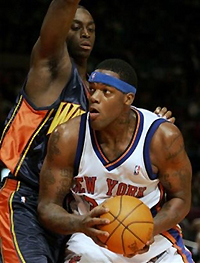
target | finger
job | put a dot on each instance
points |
(168, 114)
(99, 242)
(163, 112)
(130, 255)
(144, 250)
(95, 232)
(173, 119)
(157, 110)
(99, 210)
(96, 221)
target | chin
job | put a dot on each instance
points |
(85, 53)
(96, 126)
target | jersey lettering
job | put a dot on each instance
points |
(65, 112)
(89, 185)
(78, 187)
(114, 187)
(111, 184)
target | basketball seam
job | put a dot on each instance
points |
(121, 222)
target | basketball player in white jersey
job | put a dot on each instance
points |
(116, 149)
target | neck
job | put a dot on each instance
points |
(120, 131)
(115, 140)
(81, 65)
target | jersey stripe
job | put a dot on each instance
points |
(8, 239)
(26, 149)
(146, 154)
(110, 165)
(16, 140)
(80, 143)
(11, 118)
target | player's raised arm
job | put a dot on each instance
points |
(174, 168)
(55, 27)
(56, 179)
(50, 67)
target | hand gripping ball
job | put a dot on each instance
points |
(131, 224)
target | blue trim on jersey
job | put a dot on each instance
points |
(179, 242)
(146, 152)
(92, 136)
(82, 131)
(115, 163)
(154, 211)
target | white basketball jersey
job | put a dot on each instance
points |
(131, 174)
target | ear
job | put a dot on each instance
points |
(129, 98)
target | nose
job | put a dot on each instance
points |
(85, 33)
(95, 97)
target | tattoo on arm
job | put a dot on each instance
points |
(179, 176)
(47, 179)
(53, 148)
(64, 183)
(172, 149)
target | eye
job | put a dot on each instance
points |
(91, 90)
(106, 91)
(91, 29)
(75, 27)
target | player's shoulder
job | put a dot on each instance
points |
(166, 135)
(70, 124)
(169, 129)
(68, 130)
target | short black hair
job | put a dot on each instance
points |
(125, 71)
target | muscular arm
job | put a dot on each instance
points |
(174, 168)
(50, 67)
(56, 178)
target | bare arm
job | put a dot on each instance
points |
(55, 181)
(50, 62)
(55, 27)
(174, 168)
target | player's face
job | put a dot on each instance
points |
(81, 37)
(107, 104)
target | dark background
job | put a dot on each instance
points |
(161, 39)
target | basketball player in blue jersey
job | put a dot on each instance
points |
(54, 92)
(112, 151)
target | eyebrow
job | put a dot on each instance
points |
(80, 22)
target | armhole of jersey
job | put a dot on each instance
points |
(53, 105)
(81, 138)
(146, 153)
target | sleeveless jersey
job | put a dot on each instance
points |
(97, 178)
(27, 129)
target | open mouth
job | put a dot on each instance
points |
(93, 110)
(93, 113)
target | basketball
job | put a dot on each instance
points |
(130, 227)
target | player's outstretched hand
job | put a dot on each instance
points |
(90, 222)
(163, 112)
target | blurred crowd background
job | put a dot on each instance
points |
(161, 39)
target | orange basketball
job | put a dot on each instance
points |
(131, 224)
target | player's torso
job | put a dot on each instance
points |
(130, 174)
(27, 129)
